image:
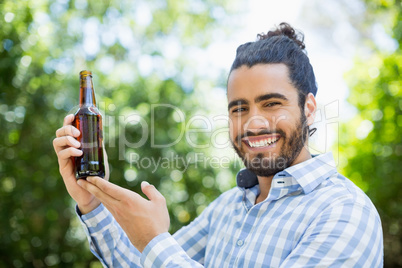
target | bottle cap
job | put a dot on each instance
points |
(85, 73)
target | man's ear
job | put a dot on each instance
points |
(310, 107)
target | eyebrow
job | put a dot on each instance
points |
(237, 102)
(270, 96)
(257, 99)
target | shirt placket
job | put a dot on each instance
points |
(240, 241)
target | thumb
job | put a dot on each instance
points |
(150, 191)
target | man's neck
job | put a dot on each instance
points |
(265, 186)
(265, 182)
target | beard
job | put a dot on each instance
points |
(267, 165)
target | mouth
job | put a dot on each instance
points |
(262, 141)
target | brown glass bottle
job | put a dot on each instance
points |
(88, 121)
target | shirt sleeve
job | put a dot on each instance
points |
(109, 243)
(164, 251)
(345, 235)
(107, 240)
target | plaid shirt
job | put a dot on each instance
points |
(312, 217)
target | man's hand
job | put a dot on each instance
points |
(141, 219)
(66, 147)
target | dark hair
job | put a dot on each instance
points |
(282, 45)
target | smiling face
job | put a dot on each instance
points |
(268, 129)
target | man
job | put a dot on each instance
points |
(289, 208)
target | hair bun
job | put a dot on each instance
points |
(286, 30)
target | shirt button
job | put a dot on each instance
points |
(240, 242)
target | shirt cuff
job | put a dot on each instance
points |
(79, 213)
(95, 220)
(160, 251)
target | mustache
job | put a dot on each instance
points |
(262, 132)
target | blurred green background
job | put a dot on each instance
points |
(144, 53)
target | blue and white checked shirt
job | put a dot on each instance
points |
(312, 217)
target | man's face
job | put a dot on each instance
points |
(267, 127)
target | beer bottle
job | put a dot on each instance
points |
(88, 121)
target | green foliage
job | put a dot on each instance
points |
(372, 141)
(42, 50)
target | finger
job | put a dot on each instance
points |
(64, 157)
(97, 192)
(109, 188)
(61, 143)
(68, 130)
(68, 120)
(151, 192)
(66, 154)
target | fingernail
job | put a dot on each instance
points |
(79, 182)
(90, 179)
(144, 183)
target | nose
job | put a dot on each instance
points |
(255, 122)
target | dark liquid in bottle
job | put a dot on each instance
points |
(89, 122)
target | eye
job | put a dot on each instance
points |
(239, 110)
(272, 104)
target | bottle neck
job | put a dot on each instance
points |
(87, 93)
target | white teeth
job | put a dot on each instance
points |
(262, 143)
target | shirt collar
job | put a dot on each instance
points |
(308, 175)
